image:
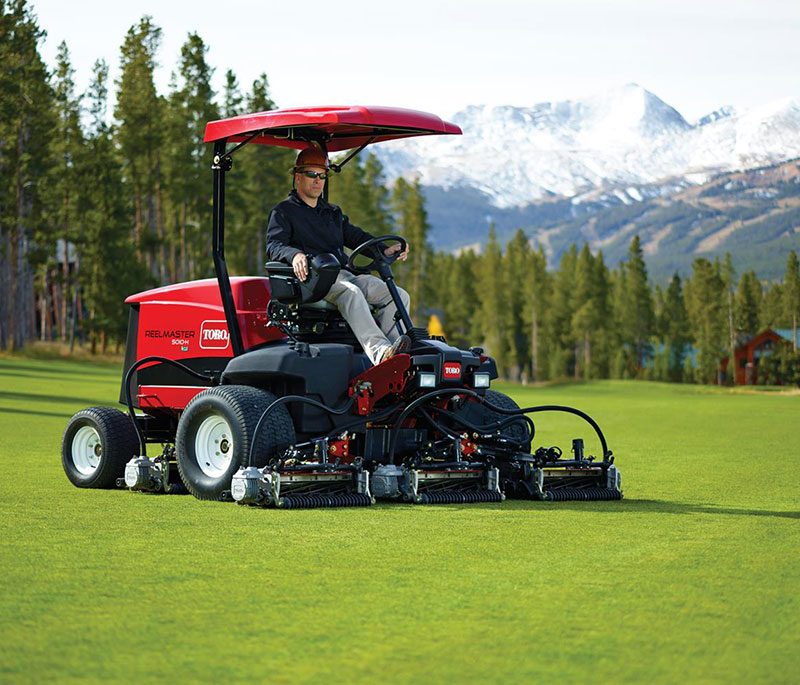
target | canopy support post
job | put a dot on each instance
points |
(221, 165)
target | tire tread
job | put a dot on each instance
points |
(120, 444)
(247, 403)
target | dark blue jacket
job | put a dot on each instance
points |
(295, 227)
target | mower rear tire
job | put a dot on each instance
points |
(97, 444)
(216, 430)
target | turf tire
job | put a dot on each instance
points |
(98, 428)
(236, 408)
(479, 414)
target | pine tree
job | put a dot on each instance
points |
(729, 281)
(603, 333)
(348, 189)
(232, 96)
(67, 183)
(675, 329)
(584, 319)
(459, 299)
(140, 113)
(493, 313)
(109, 270)
(708, 316)
(537, 289)
(562, 308)
(791, 294)
(26, 160)
(360, 191)
(517, 263)
(773, 310)
(748, 303)
(379, 219)
(264, 173)
(623, 360)
(638, 316)
(411, 220)
(189, 107)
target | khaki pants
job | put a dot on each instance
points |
(352, 296)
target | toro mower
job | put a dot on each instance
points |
(257, 391)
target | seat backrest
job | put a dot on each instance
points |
(287, 288)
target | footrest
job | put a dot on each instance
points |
(324, 501)
(581, 494)
(463, 497)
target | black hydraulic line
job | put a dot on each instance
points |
(557, 407)
(129, 401)
(494, 427)
(416, 403)
(491, 426)
(294, 398)
(437, 426)
(363, 420)
(500, 410)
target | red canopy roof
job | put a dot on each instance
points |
(340, 128)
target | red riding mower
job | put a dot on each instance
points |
(258, 391)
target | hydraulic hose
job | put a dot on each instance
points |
(129, 401)
(562, 408)
(294, 398)
(416, 403)
(364, 420)
(491, 426)
(500, 410)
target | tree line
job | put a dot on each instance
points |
(99, 200)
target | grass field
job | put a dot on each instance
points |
(695, 576)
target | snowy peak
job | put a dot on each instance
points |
(625, 114)
(622, 136)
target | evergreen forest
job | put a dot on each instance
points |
(100, 199)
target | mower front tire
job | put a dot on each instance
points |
(97, 444)
(515, 431)
(216, 430)
(479, 414)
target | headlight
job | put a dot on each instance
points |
(427, 380)
(480, 380)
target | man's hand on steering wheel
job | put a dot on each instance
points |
(389, 254)
(389, 251)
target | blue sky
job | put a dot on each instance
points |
(439, 56)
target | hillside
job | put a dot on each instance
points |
(754, 215)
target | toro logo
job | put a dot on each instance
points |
(452, 370)
(214, 335)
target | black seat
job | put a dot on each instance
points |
(287, 288)
(299, 304)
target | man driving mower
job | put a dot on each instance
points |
(304, 225)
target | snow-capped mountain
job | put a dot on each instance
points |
(521, 155)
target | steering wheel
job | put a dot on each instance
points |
(380, 257)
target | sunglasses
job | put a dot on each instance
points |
(314, 174)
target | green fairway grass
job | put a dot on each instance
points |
(694, 576)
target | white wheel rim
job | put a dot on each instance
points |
(213, 446)
(86, 450)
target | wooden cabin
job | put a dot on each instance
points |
(749, 354)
